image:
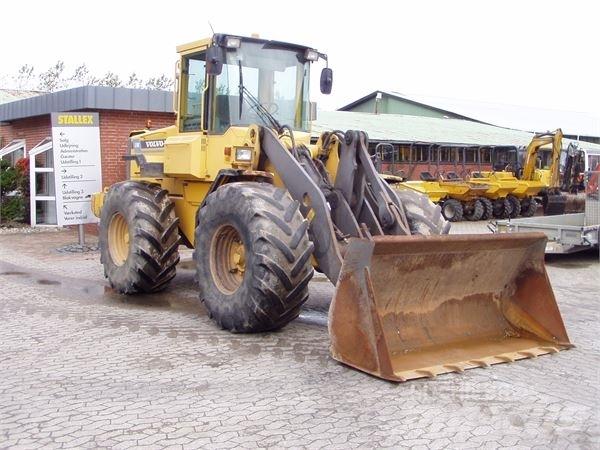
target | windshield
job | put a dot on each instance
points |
(278, 78)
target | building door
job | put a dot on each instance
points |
(41, 184)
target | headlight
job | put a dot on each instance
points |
(243, 154)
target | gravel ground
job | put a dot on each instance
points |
(81, 366)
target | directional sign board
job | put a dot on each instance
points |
(77, 169)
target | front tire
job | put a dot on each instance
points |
(252, 257)
(139, 237)
(452, 210)
(515, 206)
(502, 208)
(528, 207)
(488, 208)
(474, 211)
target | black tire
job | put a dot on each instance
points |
(515, 206)
(149, 261)
(501, 208)
(528, 207)
(424, 216)
(273, 286)
(474, 211)
(452, 210)
(488, 208)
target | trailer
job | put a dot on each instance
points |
(567, 233)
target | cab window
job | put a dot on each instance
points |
(193, 76)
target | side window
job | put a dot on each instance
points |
(193, 75)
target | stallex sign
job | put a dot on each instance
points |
(77, 169)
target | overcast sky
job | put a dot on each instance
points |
(536, 53)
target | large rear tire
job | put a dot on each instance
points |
(424, 217)
(252, 257)
(139, 237)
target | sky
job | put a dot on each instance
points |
(531, 53)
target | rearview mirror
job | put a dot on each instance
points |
(326, 80)
(214, 60)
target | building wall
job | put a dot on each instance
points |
(115, 127)
(391, 105)
(114, 132)
(32, 129)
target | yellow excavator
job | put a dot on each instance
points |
(237, 179)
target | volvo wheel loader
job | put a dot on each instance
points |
(237, 178)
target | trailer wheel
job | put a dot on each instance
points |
(528, 207)
(474, 211)
(452, 210)
(502, 208)
(139, 237)
(515, 206)
(252, 256)
(488, 208)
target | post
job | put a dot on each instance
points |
(81, 234)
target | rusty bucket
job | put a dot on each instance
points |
(417, 306)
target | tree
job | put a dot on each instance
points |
(55, 79)
(24, 76)
(52, 80)
(110, 79)
(162, 82)
(134, 81)
(82, 77)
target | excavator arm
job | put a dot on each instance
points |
(538, 141)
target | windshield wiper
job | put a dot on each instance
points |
(262, 112)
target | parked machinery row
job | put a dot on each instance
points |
(506, 193)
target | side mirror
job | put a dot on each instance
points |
(214, 60)
(326, 80)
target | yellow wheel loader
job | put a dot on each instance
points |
(457, 198)
(237, 179)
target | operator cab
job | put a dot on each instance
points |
(237, 81)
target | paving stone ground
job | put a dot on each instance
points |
(82, 367)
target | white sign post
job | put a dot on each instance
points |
(77, 167)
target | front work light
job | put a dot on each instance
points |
(311, 55)
(243, 154)
(233, 42)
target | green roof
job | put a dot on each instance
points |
(402, 128)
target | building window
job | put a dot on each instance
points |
(13, 152)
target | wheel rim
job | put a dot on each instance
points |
(118, 239)
(227, 259)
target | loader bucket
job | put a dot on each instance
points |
(417, 306)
